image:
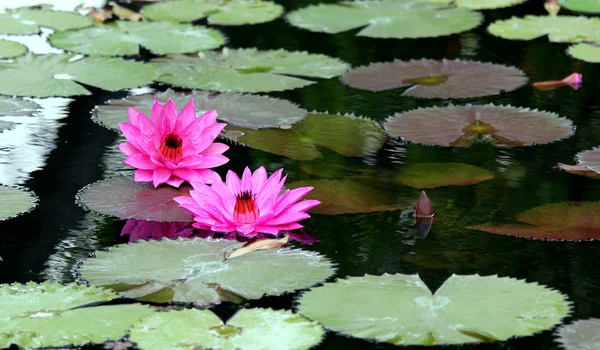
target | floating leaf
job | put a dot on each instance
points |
(57, 75)
(386, 18)
(465, 309)
(247, 111)
(480, 4)
(248, 329)
(221, 12)
(194, 270)
(590, 159)
(588, 6)
(15, 201)
(247, 70)
(124, 198)
(259, 244)
(461, 126)
(585, 52)
(348, 135)
(431, 175)
(562, 29)
(10, 49)
(28, 21)
(565, 221)
(580, 170)
(580, 335)
(437, 79)
(125, 37)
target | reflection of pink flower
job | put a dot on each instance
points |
(173, 148)
(140, 229)
(250, 206)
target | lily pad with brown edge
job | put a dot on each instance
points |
(195, 271)
(15, 201)
(564, 221)
(124, 198)
(243, 110)
(437, 79)
(431, 175)
(348, 135)
(579, 335)
(462, 126)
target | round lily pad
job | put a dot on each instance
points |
(124, 198)
(465, 309)
(437, 79)
(431, 175)
(590, 159)
(194, 270)
(28, 21)
(587, 6)
(248, 329)
(585, 52)
(15, 201)
(481, 4)
(247, 111)
(221, 12)
(461, 126)
(247, 70)
(58, 75)
(569, 29)
(10, 49)
(125, 38)
(565, 221)
(580, 335)
(386, 18)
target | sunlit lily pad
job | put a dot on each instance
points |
(461, 126)
(437, 79)
(580, 335)
(401, 310)
(248, 329)
(15, 201)
(193, 270)
(10, 49)
(386, 19)
(585, 52)
(124, 198)
(247, 111)
(480, 4)
(348, 135)
(569, 29)
(431, 175)
(221, 12)
(125, 38)
(28, 21)
(588, 6)
(247, 70)
(59, 75)
(565, 221)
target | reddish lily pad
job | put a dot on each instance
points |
(589, 164)
(437, 79)
(461, 126)
(124, 198)
(579, 169)
(431, 175)
(565, 221)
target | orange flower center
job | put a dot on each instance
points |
(171, 148)
(245, 210)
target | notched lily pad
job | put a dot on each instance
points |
(437, 79)
(465, 309)
(10, 49)
(580, 335)
(28, 21)
(194, 270)
(15, 201)
(124, 198)
(431, 175)
(462, 126)
(561, 29)
(588, 164)
(585, 52)
(480, 4)
(580, 170)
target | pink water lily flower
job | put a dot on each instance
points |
(249, 206)
(173, 147)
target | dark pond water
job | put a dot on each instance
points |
(45, 243)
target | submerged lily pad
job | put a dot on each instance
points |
(585, 52)
(480, 4)
(348, 135)
(125, 38)
(247, 111)
(124, 198)
(588, 6)
(431, 175)
(193, 270)
(10, 49)
(247, 70)
(248, 329)
(562, 29)
(565, 221)
(465, 309)
(437, 79)
(28, 21)
(461, 126)
(15, 201)
(221, 12)
(58, 75)
(386, 18)
(580, 335)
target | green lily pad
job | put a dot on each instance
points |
(248, 329)
(587, 6)
(431, 175)
(562, 29)
(10, 49)
(580, 335)
(437, 79)
(15, 201)
(125, 38)
(480, 4)
(565, 221)
(465, 309)
(28, 21)
(220, 12)
(461, 126)
(247, 70)
(585, 52)
(247, 111)
(348, 135)
(386, 18)
(193, 270)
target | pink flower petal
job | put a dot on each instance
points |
(290, 198)
(160, 176)
(188, 175)
(158, 114)
(289, 218)
(140, 161)
(170, 116)
(233, 182)
(175, 181)
(186, 117)
(216, 148)
(143, 175)
(128, 148)
(258, 179)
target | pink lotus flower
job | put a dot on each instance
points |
(250, 206)
(573, 80)
(140, 229)
(171, 147)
